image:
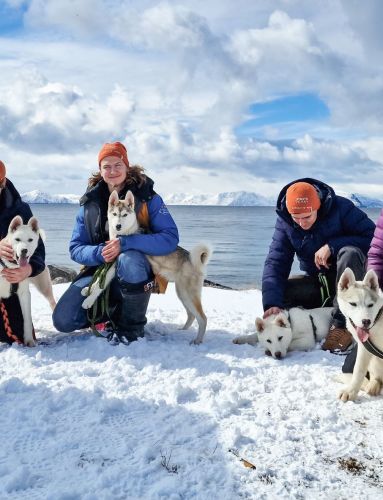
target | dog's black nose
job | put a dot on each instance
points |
(366, 323)
(23, 252)
(118, 227)
(278, 355)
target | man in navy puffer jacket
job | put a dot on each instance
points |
(327, 233)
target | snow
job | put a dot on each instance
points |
(81, 419)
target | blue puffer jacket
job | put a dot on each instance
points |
(89, 234)
(340, 223)
(11, 205)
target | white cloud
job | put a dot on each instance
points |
(174, 81)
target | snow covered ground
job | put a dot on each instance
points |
(81, 419)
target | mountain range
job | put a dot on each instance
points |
(233, 199)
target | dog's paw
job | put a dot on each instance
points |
(373, 387)
(347, 394)
(196, 341)
(85, 291)
(88, 302)
(30, 343)
(239, 340)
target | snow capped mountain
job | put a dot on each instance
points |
(228, 199)
(251, 199)
(364, 202)
(233, 199)
(41, 197)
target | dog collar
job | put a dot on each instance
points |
(371, 348)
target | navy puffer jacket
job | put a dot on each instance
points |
(340, 223)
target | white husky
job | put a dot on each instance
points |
(294, 330)
(24, 239)
(186, 269)
(361, 302)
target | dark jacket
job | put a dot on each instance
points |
(11, 205)
(89, 234)
(340, 223)
(375, 254)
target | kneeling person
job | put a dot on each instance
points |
(327, 233)
(91, 246)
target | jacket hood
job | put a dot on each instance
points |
(9, 196)
(100, 190)
(326, 194)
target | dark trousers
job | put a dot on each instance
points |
(305, 291)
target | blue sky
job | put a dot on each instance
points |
(208, 96)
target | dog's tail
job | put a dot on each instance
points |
(200, 256)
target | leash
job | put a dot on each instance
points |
(100, 307)
(7, 325)
(324, 289)
(368, 345)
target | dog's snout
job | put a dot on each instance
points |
(366, 323)
(23, 252)
(278, 355)
(118, 227)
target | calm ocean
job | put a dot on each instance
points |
(240, 237)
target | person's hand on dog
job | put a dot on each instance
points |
(111, 250)
(17, 274)
(6, 251)
(270, 311)
(321, 257)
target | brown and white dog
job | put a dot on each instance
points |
(186, 269)
(24, 239)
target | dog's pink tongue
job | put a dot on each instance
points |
(362, 334)
(23, 261)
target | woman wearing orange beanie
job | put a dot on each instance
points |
(90, 246)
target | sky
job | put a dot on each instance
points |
(208, 96)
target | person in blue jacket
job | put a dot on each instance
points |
(327, 233)
(11, 205)
(90, 246)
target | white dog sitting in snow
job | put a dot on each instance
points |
(294, 330)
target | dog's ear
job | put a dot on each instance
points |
(259, 325)
(113, 198)
(16, 222)
(129, 198)
(282, 320)
(33, 223)
(347, 279)
(371, 280)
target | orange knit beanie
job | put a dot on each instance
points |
(113, 149)
(3, 171)
(302, 198)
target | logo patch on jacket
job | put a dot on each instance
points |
(164, 210)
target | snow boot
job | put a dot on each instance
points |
(130, 325)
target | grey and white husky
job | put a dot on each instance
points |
(24, 239)
(361, 302)
(294, 330)
(186, 270)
